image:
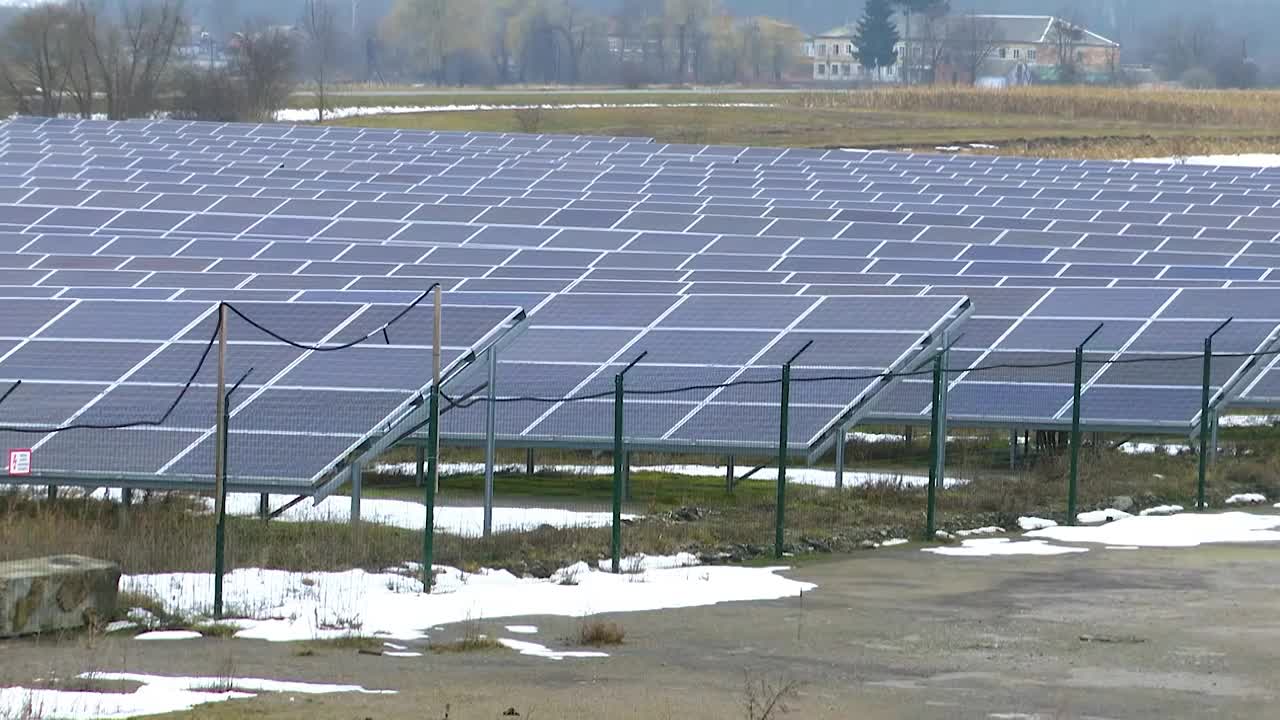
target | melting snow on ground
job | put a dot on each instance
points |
(287, 606)
(1247, 499)
(1146, 448)
(1101, 516)
(522, 629)
(1254, 160)
(987, 547)
(1162, 510)
(410, 515)
(157, 694)
(1034, 523)
(803, 476)
(531, 648)
(1184, 530)
(294, 115)
(989, 530)
(1248, 420)
(170, 635)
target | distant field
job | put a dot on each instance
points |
(1064, 122)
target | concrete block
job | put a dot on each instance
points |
(62, 592)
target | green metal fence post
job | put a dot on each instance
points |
(780, 509)
(220, 533)
(620, 461)
(930, 525)
(433, 471)
(1073, 478)
(615, 544)
(1205, 420)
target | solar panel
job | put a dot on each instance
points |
(507, 217)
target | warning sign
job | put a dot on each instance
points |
(19, 462)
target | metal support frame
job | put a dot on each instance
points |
(840, 447)
(1206, 419)
(621, 463)
(780, 504)
(490, 444)
(264, 506)
(937, 441)
(528, 462)
(357, 491)
(432, 481)
(1073, 479)
(52, 492)
(220, 466)
(728, 474)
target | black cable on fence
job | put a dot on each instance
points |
(204, 357)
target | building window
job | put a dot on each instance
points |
(822, 69)
(1004, 52)
(1017, 53)
(822, 48)
(847, 70)
(1031, 54)
(835, 49)
(851, 50)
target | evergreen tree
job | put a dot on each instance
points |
(876, 35)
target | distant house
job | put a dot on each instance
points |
(1022, 50)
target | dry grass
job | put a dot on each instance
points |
(164, 536)
(1188, 108)
(599, 633)
(472, 640)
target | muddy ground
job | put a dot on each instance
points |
(888, 634)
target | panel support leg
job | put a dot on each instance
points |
(52, 492)
(357, 489)
(841, 439)
(1013, 449)
(264, 506)
(490, 441)
(728, 474)
(528, 462)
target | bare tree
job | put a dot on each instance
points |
(34, 53)
(971, 40)
(131, 58)
(323, 36)
(264, 62)
(1066, 36)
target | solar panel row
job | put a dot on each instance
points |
(570, 227)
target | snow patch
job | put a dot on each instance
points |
(1182, 530)
(297, 115)
(643, 563)
(1247, 499)
(892, 542)
(289, 606)
(1102, 516)
(989, 530)
(1248, 420)
(989, 547)
(1162, 510)
(1035, 523)
(156, 694)
(531, 648)
(522, 629)
(1253, 160)
(169, 635)
(1146, 448)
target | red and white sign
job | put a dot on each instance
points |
(20, 462)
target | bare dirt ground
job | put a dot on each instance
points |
(888, 634)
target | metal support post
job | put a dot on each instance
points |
(780, 507)
(419, 464)
(621, 459)
(490, 441)
(52, 491)
(1213, 438)
(220, 466)
(357, 492)
(1073, 479)
(728, 474)
(937, 444)
(429, 526)
(528, 462)
(1013, 449)
(841, 439)
(264, 506)
(435, 378)
(1206, 421)
(626, 475)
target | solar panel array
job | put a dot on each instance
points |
(96, 364)
(572, 228)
